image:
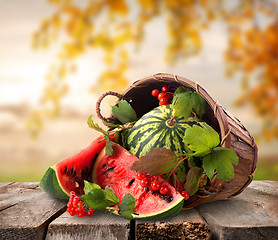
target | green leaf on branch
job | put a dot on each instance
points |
(127, 206)
(181, 105)
(95, 199)
(185, 101)
(222, 160)
(200, 105)
(111, 196)
(155, 162)
(193, 178)
(88, 187)
(108, 146)
(124, 112)
(201, 139)
(95, 126)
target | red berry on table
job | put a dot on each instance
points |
(185, 195)
(155, 92)
(89, 213)
(155, 185)
(164, 89)
(164, 190)
(81, 214)
(72, 194)
(75, 201)
(144, 182)
(79, 210)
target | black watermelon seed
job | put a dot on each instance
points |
(163, 196)
(71, 172)
(131, 181)
(110, 169)
(87, 171)
(74, 173)
(82, 173)
(65, 170)
(170, 199)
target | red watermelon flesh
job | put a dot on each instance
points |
(75, 169)
(113, 171)
(69, 174)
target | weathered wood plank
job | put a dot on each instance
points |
(13, 193)
(251, 215)
(187, 225)
(100, 226)
(3, 184)
(26, 211)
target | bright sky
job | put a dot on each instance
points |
(22, 70)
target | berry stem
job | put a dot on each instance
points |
(173, 171)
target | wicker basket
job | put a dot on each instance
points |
(233, 135)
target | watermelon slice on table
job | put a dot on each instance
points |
(113, 171)
(69, 175)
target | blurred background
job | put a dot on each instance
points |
(58, 56)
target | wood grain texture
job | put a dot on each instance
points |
(26, 211)
(189, 224)
(100, 226)
(251, 215)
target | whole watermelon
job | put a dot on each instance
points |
(158, 129)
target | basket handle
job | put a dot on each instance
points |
(109, 93)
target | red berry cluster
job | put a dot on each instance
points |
(154, 185)
(164, 96)
(75, 206)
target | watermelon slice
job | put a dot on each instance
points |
(69, 175)
(113, 171)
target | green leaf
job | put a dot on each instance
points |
(124, 112)
(181, 89)
(111, 196)
(185, 101)
(109, 146)
(95, 126)
(193, 178)
(95, 199)
(127, 206)
(201, 139)
(222, 160)
(124, 135)
(155, 162)
(200, 105)
(181, 105)
(88, 187)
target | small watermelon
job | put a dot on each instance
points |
(69, 175)
(113, 171)
(157, 129)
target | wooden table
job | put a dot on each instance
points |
(26, 212)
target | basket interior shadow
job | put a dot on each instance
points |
(232, 133)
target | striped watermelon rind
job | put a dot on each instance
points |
(152, 131)
(51, 184)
